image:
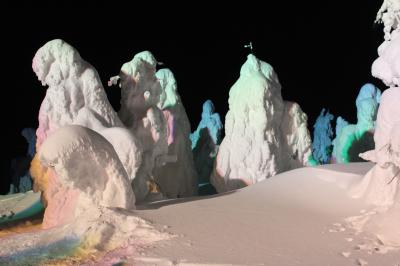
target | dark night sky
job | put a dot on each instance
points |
(322, 55)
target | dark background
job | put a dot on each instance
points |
(322, 53)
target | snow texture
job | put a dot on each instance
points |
(322, 142)
(140, 93)
(263, 134)
(88, 194)
(353, 139)
(74, 90)
(20, 177)
(88, 165)
(75, 95)
(205, 141)
(177, 178)
(296, 137)
(83, 171)
(389, 15)
(340, 124)
(151, 108)
(381, 185)
(210, 121)
(387, 66)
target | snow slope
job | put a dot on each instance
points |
(297, 218)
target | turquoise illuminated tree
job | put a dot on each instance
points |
(352, 139)
(322, 142)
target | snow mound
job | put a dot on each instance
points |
(84, 171)
(88, 193)
(263, 134)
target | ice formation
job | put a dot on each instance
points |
(340, 124)
(210, 121)
(152, 110)
(87, 165)
(74, 90)
(388, 14)
(75, 95)
(140, 93)
(353, 139)
(322, 142)
(205, 141)
(263, 134)
(381, 185)
(176, 178)
(296, 146)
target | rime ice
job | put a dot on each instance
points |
(322, 137)
(263, 134)
(85, 171)
(74, 90)
(152, 110)
(354, 139)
